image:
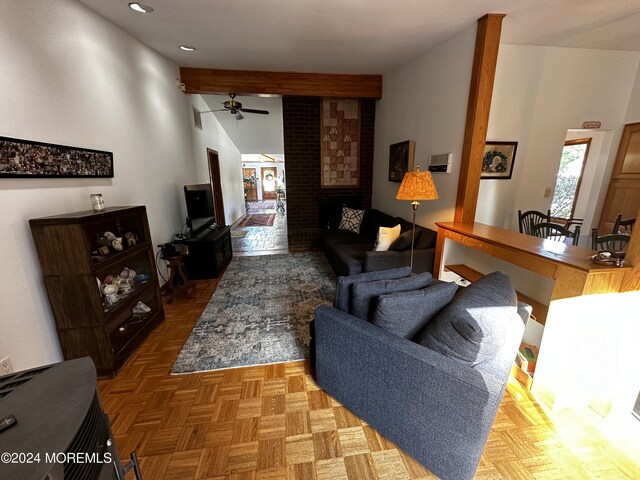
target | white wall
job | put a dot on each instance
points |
(213, 136)
(633, 111)
(69, 77)
(425, 100)
(539, 94)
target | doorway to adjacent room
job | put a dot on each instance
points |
(216, 186)
(263, 228)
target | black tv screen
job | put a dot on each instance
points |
(200, 213)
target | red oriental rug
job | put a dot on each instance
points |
(257, 220)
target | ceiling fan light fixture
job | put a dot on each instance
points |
(140, 8)
(186, 48)
(238, 116)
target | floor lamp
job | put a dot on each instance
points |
(416, 186)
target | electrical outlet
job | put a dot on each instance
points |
(5, 366)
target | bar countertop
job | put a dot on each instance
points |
(546, 250)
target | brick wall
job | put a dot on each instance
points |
(301, 121)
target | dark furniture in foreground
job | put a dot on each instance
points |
(351, 253)
(61, 430)
(435, 395)
(209, 252)
(68, 249)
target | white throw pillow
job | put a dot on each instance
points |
(386, 236)
(351, 219)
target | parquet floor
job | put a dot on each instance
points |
(273, 422)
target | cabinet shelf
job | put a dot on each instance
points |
(114, 258)
(128, 299)
(66, 246)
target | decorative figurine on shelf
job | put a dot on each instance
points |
(116, 243)
(131, 239)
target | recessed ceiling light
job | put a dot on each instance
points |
(187, 48)
(139, 7)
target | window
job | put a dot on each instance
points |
(565, 193)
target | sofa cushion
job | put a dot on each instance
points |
(475, 323)
(403, 242)
(344, 284)
(405, 226)
(349, 259)
(427, 239)
(330, 209)
(386, 236)
(351, 219)
(339, 237)
(374, 219)
(404, 313)
(364, 295)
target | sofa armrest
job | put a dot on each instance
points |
(422, 260)
(437, 409)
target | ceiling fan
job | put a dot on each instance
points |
(235, 108)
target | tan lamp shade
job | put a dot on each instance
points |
(417, 186)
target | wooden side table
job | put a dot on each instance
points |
(178, 280)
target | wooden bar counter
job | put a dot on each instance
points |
(568, 265)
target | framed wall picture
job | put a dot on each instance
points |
(400, 159)
(28, 159)
(498, 160)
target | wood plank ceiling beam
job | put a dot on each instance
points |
(211, 81)
(478, 107)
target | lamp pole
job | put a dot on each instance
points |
(414, 206)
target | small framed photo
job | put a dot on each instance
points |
(401, 159)
(498, 160)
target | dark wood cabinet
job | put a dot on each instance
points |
(209, 252)
(76, 260)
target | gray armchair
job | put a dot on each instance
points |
(435, 406)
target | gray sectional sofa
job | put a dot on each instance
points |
(352, 253)
(426, 367)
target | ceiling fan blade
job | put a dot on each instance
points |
(251, 110)
(211, 111)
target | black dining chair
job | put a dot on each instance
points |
(556, 232)
(569, 222)
(612, 242)
(623, 226)
(528, 219)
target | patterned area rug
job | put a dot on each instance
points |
(257, 220)
(259, 313)
(264, 205)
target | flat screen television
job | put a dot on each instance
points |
(200, 212)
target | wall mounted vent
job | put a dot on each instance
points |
(197, 118)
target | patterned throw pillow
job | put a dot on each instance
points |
(351, 219)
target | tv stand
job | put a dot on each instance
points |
(209, 252)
